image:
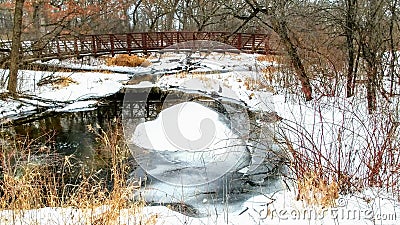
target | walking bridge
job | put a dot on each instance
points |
(110, 44)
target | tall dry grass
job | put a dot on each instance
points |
(127, 60)
(33, 178)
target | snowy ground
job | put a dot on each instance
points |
(277, 208)
(232, 77)
(80, 94)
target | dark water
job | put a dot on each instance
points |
(68, 134)
(63, 144)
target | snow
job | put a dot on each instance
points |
(78, 106)
(75, 96)
(10, 108)
(86, 85)
(225, 75)
(189, 135)
(210, 131)
(143, 84)
(276, 208)
(280, 208)
(321, 121)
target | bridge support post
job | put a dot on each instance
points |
(83, 42)
(94, 46)
(76, 48)
(144, 43)
(253, 43)
(128, 44)
(161, 40)
(266, 46)
(58, 48)
(112, 45)
(239, 42)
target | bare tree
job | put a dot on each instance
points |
(200, 15)
(132, 19)
(351, 13)
(16, 46)
(275, 15)
(393, 43)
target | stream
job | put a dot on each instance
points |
(68, 134)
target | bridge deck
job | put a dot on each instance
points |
(69, 46)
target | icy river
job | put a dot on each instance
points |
(240, 164)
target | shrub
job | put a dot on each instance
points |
(256, 84)
(314, 190)
(127, 60)
(269, 58)
(344, 153)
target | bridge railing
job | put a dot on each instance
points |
(69, 46)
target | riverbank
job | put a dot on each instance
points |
(42, 92)
(332, 149)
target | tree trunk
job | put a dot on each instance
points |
(37, 18)
(392, 48)
(350, 20)
(170, 26)
(16, 46)
(371, 87)
(282, 30)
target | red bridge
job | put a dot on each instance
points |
(95, 45)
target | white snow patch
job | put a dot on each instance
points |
(12, 108)
(143, 84)
(78, 106)
(194, 134)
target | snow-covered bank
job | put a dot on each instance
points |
(66, 91)
(278, 208)
(323, 125)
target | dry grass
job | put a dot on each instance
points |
(31, 184)
(271, 73)
(270, 58)
(127, 60)
(57, 81)
(314, 190)
(64, 82)
(256, 84)
(181, 75)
